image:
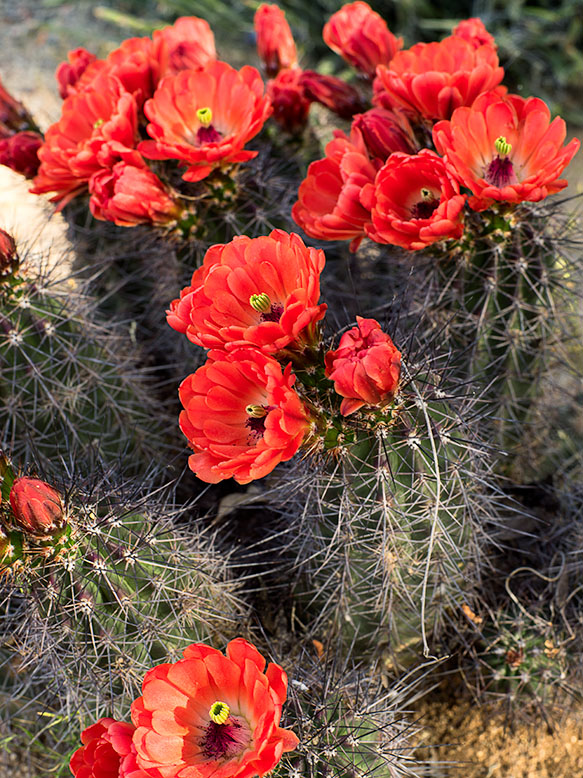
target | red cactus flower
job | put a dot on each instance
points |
(505, 149)
(136, 66)
(187, 45)
(241, 416)
(365, 367)
(414, 202)
(361, 37)
(329, 203)
(473, 31)
(20, 152)
(36, 506)
(69, 73)
(433, 79)
(275, 42)
(210, 714)
(260, 292)
(205, 117)
(332, 92)
(128, 195)
(106, 752)
(8, 254)
(13, 114)
(384, 132)
(290, 104)
(98, 127)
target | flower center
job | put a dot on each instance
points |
(269, 311)
(424, 208)
(500, 171)
(219, 712)
(256, 421)
(224, 741)
(206, 133)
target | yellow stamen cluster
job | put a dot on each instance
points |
(260, 302)
(219, 712)
(502, 146)
(255, 411)
(205, 116)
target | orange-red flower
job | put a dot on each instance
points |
(289, 101)
(212, 715)
(36, 506)
(241, 416)
(204, 117)
(365, 367)
(431, 80)
(329, 203)
(98, 127)
(106, 752)
(384, 132)
(474, 32)
(505, 149)
(259, 292)
(128, 195)
(361, 37)
(414, 202)
(275, 42)
(136, 66)
(20, 152)
(188, 44)
(335, 94)
(69, 73)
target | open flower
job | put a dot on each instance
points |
(361, 37)
(261, 292)
(414, 202)
(329, 202)
(275, 42)
(241, 416)
(204, 117)
(128, 195)
(186, 45)
(98, 127)
(431, 80)
(212, 715)
(106, 752)
(365, 367)
(505, 149)
(36, 506)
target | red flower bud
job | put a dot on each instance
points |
(384, 132)
(36, 506)
(68, 73)
(275, 42)
(12, 113)
(290, 105)
(365, 367)
(361, 36)
(332, 92)
(8, 255)
(20, 152)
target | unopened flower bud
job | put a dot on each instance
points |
(8, 255)
(37, 507)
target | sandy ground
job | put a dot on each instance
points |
(476, 742)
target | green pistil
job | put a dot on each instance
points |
(260, 302)
(502, 147)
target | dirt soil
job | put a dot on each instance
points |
(460, 738)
